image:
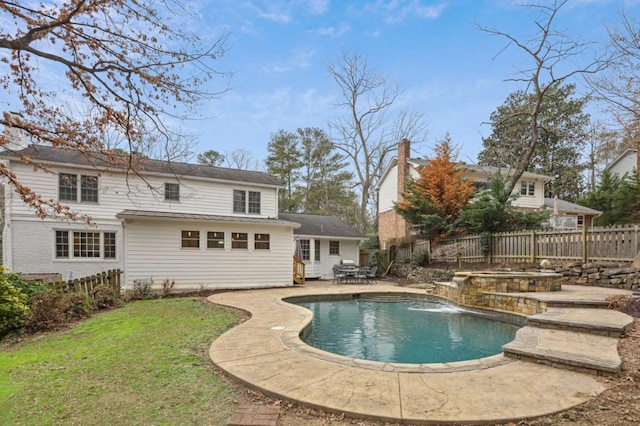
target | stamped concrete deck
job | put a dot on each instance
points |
(266, 353)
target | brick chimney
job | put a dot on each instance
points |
(404, 153)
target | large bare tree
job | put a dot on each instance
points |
(548, 55)
(619, 87)
(369, 128)
(94, 75)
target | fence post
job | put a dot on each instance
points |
(585, 249)
(533, 245)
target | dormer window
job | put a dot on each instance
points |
(171, 192)
(527, 187)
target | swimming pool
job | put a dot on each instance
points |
(415, 331)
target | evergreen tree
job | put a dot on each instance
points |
(325, 182)
(433, 201)
(491, 210)
(284, 162)
(562, 130)
(211, 158)
(603, 198)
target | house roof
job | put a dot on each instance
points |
(50, 155)
(625, 154)
(567, 207)
(319, 225)
(487, 170)
(156, 215)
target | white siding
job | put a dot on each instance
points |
(33, 249)
(535, 201)
(153, 250)
(349, 249)
(388, 192)
(625, 165)
(150, 248)
(117, 193)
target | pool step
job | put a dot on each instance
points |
(584, 352)
(583, 320)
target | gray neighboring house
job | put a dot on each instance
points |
(323, 241)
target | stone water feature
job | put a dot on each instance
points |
(494, 289)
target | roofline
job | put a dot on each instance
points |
(195, 217)
(328, 237)
(142, 172)
(620, 157)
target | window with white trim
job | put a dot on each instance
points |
(171, 191)
(215, 240)
(246, 201)
(85, 245)
(317, 251)
(69, 190)
(305, 249)
(262, 241)
(190, 239)
(334, 248)
(527, 187)
(109, 245)
(239, 240)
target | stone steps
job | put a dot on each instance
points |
(581, 339)
(583, 320)
(584, 352)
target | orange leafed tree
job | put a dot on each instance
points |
(102, 77)
(434, 200)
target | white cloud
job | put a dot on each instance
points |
(299, 59)
(398, 10)
(318, 7)
(333, 31)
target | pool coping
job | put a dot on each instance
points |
(264, 353)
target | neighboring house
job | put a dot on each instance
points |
(566, 215)
(626, 163)
(530, 190)
(202, 226)
(324, 241)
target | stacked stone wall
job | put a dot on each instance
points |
(601, 275)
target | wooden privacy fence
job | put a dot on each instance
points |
(109, 278)
(606, 244)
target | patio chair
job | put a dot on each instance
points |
(371, 274)
(338, 274)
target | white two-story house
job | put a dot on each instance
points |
(529, 189)
(198, 225)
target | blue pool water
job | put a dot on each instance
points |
(409, 331)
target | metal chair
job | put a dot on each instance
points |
(338, 274)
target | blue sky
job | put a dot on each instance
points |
(279, 52)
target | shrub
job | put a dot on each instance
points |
(104, 297)
(13, 305)
(167, 286)
(45, 312)
(418, 258)
(142, 289)
(76, 306)
(52, 310)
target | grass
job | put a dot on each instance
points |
(145, 363)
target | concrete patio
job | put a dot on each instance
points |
(267, 354)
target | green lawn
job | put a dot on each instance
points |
(145, 363)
